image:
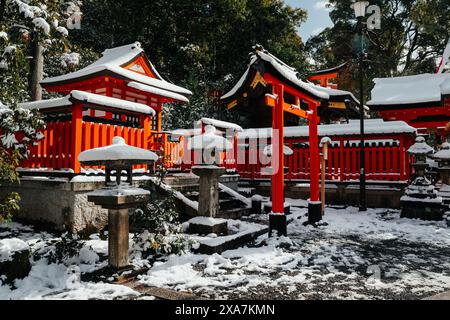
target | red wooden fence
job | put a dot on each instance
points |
(386, 158)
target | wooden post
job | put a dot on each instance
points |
(324, 159)
(77, 129)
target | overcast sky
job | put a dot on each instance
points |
(318, 18)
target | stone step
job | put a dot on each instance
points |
(228, 204)
(236, 213)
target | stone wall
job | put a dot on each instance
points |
(378, 196)
(58, 204)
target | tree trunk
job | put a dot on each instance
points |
(37, 71)
(2, 10)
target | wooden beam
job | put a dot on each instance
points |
(289, 108)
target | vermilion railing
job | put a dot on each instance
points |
(386, 159)
(55, 149)
(386, 156)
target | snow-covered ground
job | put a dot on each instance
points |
(375, 255)
(59, 280)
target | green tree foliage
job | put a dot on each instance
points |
(413, 34)
(19, 130)
(202, 44)
(23, 26)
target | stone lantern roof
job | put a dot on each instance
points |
(209, 140)
(444, 153)
(119, 151)
(420, 147)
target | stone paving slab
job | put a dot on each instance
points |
(441, 296)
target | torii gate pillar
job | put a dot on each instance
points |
(314, 203)
(277, 219)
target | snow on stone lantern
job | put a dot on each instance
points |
(443, 159)
(421, 199)
(209, 145)
(420, 150)
(117, 196)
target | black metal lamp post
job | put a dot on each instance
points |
(360, 12)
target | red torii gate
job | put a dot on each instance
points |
(276, 101)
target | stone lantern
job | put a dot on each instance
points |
(117, 196)
(443, 159)
(209, 145)
(420, 150)
(421, 199)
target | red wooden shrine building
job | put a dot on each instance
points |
(121, 94)
(247, 97)
(386, 141)
(422, 101)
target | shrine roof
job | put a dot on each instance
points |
(263, 61)
(329, 70)
(113, 62)
(410, 90)
(157, 91)
(88, 97)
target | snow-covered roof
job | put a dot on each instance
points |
(423, 88)
(334, 92)
(221, 124)
(291, 74)
(286, 71)
(118, 150)
(113, 60)
(90, 98)
(157, 91)
(47, 104)
(372, 126)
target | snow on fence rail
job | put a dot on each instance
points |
(386, 157)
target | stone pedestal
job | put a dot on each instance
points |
(118, 201)
(277, 223)
(314, 212)
(208, 225)
(208, 201)
(256, 204)
(421, 201)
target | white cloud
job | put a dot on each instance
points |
(322, 5)
(316, 31)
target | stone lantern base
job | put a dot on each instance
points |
(431, 209)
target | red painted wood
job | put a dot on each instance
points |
(278, 161)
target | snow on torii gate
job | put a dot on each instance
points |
(266, 73)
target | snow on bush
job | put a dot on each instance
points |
(70, 60)
(42, 24)
(10, 246)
